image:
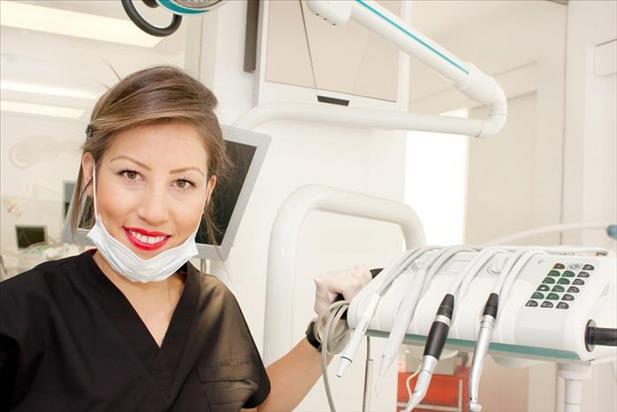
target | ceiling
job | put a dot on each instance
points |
(77, 65)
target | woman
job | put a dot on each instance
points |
(132, 325)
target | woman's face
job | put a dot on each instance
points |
(151, 186)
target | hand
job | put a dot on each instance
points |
(347, 283)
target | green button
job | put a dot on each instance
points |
(554, 273)
(563, 281)
(559, 266)
(558, 288)
(537, 295)
(553, 296)
(549, 281)
(543, 288)
(568, 274)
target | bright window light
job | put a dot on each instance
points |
(71, 23)
(46, 89)
(436, 183)
(40, 109)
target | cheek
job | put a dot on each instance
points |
(113, 201)
(188, 214)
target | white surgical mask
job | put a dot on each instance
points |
(125, 262)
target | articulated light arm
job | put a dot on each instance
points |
(472, 82)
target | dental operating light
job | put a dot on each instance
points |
(178, 8)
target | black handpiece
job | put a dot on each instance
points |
(438, 334)
(491, 306)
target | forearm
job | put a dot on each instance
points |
(291, 377)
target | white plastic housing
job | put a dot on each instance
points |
(333, 11)
(521, 331)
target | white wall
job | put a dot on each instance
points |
(590, 175)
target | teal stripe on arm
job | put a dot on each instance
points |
(175, 8)
(413, 36)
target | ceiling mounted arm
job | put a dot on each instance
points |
(467, 78)
(472, 82)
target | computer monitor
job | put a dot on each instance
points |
(28, 235)
(247, 150)
(68, 188)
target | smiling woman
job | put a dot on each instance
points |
(155, 330)
(132, 325)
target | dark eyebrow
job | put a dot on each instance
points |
(130, 159)
(183, 169)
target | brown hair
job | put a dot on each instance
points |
(150, 96)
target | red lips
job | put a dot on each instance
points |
(142, 245)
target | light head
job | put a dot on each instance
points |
(188, 7)
(178, 8)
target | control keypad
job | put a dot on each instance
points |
(561, 286)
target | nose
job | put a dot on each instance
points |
(153, 207)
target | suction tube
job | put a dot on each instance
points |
(600, 336)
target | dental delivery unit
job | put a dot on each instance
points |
(557, 304)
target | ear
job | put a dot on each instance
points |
(87, 163)
(211, 185)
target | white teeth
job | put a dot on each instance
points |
(147, 239)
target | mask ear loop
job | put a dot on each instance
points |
(205, 205)
(96, 214)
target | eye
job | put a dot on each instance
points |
(184, 184)
(129, 174)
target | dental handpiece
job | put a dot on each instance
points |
(385, 280)
(484, 339)
(443, 319)
(408, 306)
(489, 319)
(432, 350)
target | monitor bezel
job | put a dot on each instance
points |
(261, 142)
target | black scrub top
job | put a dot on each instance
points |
(71, 341)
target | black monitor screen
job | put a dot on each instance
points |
(29, 235)
(227, 190)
